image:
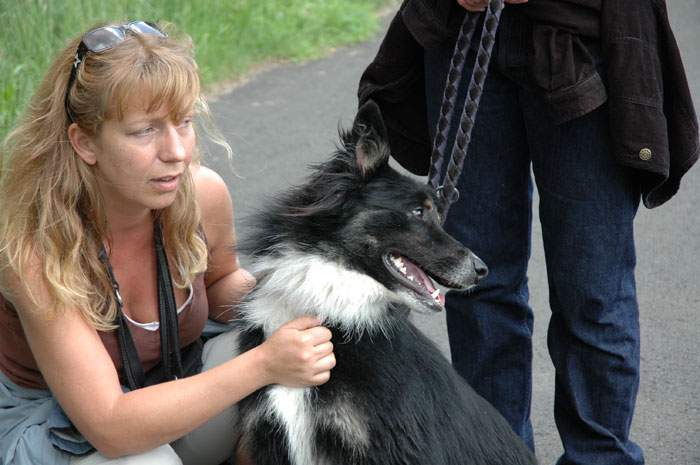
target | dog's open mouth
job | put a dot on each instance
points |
(414, 278)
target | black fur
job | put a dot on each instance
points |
(416, 409)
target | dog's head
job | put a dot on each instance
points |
(394, 231)
(358, 211)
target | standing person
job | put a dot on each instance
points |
(115, 247)
(592, 96)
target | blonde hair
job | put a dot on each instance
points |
(50, 204)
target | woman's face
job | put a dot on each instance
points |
(140, 160)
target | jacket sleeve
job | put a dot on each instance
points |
(653, 124)
(395, 81)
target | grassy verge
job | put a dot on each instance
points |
(229, 35)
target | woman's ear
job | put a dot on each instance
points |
(83, 144)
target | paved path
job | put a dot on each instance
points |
(287, 117)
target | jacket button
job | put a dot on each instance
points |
(645, 154)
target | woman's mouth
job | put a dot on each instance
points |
(166, 183)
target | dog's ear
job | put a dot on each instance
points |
(370, 135)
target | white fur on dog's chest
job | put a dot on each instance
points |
(300, 416)
(295, 284)
(291, 406)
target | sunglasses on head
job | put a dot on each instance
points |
(103, 39)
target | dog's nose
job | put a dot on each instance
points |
(479, 267)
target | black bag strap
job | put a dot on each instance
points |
(167, 307)
(170, 345)
(446, 189)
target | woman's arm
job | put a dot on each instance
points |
(225, 280)
(82, 376)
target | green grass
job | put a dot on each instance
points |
(229, 35)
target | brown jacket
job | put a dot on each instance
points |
(653, 123)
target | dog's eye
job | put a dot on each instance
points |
(418, 211)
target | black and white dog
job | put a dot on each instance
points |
(360, 245)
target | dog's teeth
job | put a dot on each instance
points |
(435, 294)
(410, 277)
(399, 264)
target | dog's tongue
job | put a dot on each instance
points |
(418, 274)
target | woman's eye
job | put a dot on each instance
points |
(143, 132)
(185, 122)
(418, 212)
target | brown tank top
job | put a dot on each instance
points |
(18, 364)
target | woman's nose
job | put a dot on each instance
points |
(173, 147)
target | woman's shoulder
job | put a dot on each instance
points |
(214, 203)
(205, 175)
(209, 186)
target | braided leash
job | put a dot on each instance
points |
(447, 191)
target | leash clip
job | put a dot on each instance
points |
(453, 196)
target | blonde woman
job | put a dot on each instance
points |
(115, 247)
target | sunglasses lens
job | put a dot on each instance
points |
(142, 27)
(103, 38)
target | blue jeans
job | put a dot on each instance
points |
(587, 207)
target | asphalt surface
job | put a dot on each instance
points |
(286, 117)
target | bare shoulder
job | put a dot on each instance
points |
(204, 176)
(210, 187)
(216, 207)
(213, 197)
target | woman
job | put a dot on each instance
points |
(100, 184)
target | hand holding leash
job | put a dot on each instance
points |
(299, 354)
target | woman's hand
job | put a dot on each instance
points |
(480, 5)
(299, 354)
